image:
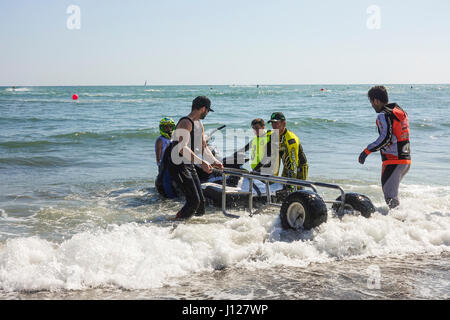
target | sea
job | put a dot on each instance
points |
(80, 218)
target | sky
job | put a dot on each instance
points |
(196, 42)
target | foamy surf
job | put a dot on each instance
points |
(146, 256)
(17, 89)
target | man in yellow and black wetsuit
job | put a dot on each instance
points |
(291, 151)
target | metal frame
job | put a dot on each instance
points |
(267, 180)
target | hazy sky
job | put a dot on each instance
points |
(224, 42)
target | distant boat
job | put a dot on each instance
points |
(145, 83)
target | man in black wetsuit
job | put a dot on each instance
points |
(189, 148)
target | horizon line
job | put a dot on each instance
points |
(221, 85)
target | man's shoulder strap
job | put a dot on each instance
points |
(192, 122)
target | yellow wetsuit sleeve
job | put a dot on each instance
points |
(302, 171)
(294, 159)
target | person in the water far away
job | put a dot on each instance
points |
(393, 143)
(187, 149)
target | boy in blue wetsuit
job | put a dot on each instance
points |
(164, 183)
(166, 127)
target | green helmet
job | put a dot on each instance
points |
(162, 127)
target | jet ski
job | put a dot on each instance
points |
(301, 206)
(237, 193)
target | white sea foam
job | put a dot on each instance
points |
(140, 256)
(17, 89)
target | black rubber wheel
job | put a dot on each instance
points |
(303, 209)
(356, 202)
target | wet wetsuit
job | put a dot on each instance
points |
(294, 159)
(165, 142)
(164, 182)
(186, 179)
(394, 146)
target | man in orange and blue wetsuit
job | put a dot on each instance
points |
(393, 143)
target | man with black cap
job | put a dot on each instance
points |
(189, 147)
(291, 151)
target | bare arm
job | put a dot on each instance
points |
(158, 151)
(207, 152)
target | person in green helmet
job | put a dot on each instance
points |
(164, 182)
(166, 127)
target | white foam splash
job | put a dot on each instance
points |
(141, 256)
(17, 89)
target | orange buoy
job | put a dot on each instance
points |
(75, 97)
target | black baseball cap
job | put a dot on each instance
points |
(201, 102)
(277, 116)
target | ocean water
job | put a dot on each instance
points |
(80, 217)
